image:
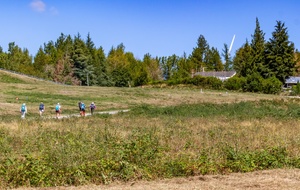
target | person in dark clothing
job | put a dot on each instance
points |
(41, 108)
(79, 106)
(92, 107)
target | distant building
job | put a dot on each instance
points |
(222, 75)
(291, 81)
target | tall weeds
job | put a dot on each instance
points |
(151, 142)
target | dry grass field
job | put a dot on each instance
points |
(280, 179)
(168, 114)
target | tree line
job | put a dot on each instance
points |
(77, 61)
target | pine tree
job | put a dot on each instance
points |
(258, 51)
(198, 56)
(242, 61)
(228, 62)
(41, 59)
(80, 59)
(183, 68)
(90, 44)
(280, 53)
(101, 70)
(214, 62)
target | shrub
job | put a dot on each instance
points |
(253, 83)
(296, 89)
(271, 85)
(213, 83)
(205, 82)
(197, 80)
(235, 83)
(173, 82)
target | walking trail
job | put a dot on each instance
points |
(88, 114)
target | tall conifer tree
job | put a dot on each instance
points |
(258, 51)
(242, 60)
(228, 62)
(280, 53)
(199, 53)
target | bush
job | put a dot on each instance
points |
(213, 83)
(271, 85)
(235, 83)
(197, 80)
(296, 89)
(205, 82)
(253, 83)
(173, 82)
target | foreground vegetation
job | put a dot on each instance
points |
(168, 132)
(150, 143)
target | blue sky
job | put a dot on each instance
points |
(158, 27)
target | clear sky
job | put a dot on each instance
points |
(158, 27)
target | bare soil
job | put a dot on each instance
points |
(260, 180)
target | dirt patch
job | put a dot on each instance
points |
(259, 180)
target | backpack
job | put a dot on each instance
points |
(82, 106)
(23, 108)
(93, 106)
(41, 106)
(57, 107)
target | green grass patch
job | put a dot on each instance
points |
(243, 110)
(9, 79)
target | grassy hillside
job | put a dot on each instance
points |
(168, 132)
(33, 91)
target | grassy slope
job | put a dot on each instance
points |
(33, 91)
(168, 132)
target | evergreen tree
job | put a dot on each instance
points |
(280, 53)
(96, 59)
(242, 61)
(258, 51)
(80, 59)
(214, 62)
(198, 56)
(101, 68)
(90, 44)
(51, 51)
(228, 65)
(64, 46)
(41, 59)
(183, 68)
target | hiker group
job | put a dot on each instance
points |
(58, 110)
(82, 108)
